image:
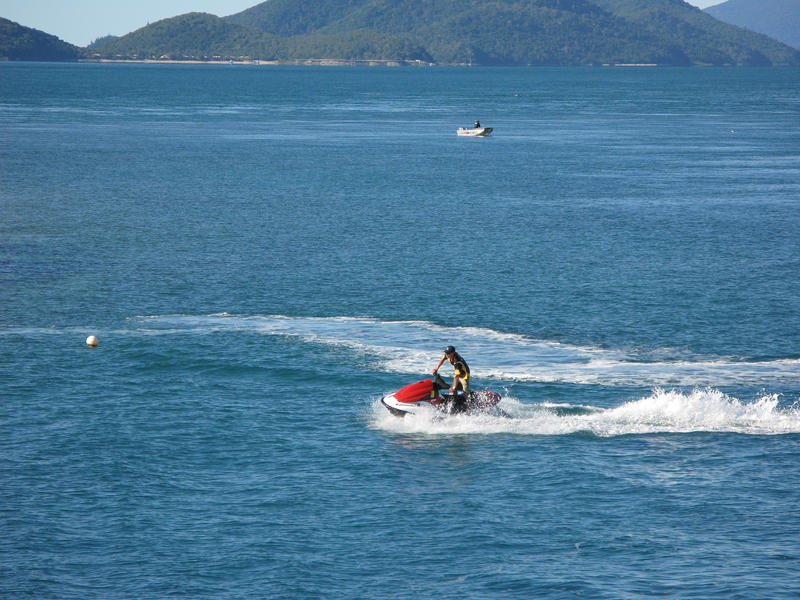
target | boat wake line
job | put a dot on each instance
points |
(411, 347)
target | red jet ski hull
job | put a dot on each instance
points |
(423, 397)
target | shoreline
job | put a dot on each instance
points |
(335, 62)
(325, 62)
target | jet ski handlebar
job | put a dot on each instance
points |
(440, 383)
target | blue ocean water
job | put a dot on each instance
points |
(264, 252)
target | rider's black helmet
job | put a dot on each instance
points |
(449, 350)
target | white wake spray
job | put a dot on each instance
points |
(706, 410)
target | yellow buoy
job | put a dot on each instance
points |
(92, 341)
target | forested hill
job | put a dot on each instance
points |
(704, 39)
(190, 36)
(23, 43)
(479, 32)
(538, 32)
(779, 19)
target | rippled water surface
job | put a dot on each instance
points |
(265, 252)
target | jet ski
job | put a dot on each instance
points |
(424, 397)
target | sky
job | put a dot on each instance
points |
(80, 22)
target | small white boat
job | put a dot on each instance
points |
(474, 131)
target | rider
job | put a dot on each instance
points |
(461, 378)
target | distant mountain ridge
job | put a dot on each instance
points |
(706, 41)
(669, 32)
(779, 19)
(478, 32)
(18, 42)
(193, 35)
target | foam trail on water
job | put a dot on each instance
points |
(662, 412)
(412, 347)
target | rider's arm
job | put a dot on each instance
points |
(454, 388)
(436, 368)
